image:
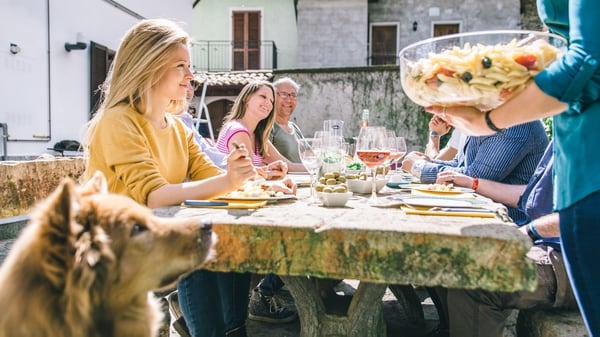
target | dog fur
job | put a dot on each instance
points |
(85, 265)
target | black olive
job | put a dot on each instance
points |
(466, 76)
(486, 62)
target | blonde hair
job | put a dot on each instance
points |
(264, 127)
(139, 64)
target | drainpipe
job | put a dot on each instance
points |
(4, 127)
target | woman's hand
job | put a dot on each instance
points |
(469, 120)
(274, 171)
(410, 159)
(287, 186)
(239, 166)
(438, 125)
(455, 178)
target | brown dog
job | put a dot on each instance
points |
(85, 264)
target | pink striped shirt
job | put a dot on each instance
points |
(230, 129)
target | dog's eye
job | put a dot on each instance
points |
(138, 229)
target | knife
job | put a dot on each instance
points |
(200, 203)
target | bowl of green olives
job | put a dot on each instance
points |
(362, 183)
(334, 199)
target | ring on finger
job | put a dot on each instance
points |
(444, 112)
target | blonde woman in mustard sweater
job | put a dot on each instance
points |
(144, 151)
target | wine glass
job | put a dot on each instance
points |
(310, 151)
(372, 150)
(399, 153)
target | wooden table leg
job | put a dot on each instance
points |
(363, 319)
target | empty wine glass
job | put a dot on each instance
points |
(372, 150)
(310, 151)
(400, 152)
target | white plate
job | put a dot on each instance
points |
(236, 197)
(453, 190)
(437, 202)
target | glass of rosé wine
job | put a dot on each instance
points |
(372, 150)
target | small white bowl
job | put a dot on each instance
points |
(365, 186)
(334, 199)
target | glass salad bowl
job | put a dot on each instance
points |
(481, 69)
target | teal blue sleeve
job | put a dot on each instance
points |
(575, 78)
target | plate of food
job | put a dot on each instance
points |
(480, 69)
(443, 189)
(256, 192)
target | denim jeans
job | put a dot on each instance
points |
(580, 234)
(270, 284)
(213, 302)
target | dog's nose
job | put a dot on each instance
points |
(206, 225)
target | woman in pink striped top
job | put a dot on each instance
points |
(250, 123)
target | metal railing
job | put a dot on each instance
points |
(227, 55)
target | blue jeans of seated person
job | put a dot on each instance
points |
(270, 284)
(580, 235)
(213, 302)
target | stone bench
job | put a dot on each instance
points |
(550, 323)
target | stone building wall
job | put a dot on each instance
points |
(342, 93)
(332, 33)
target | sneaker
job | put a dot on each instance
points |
(268, 309)
(176, 315)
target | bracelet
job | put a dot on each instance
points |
(434, 134)
(491, 124)
(475, 184)
(532, 232)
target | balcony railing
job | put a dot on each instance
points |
(217, 55)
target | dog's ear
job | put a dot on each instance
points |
(55, 218)
(96, 184)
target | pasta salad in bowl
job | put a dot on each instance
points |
(479, 69)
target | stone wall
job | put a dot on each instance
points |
(342, 93)
(332, 33)
(24, 183)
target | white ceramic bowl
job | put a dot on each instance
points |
(334, 199)
(365, 186)
(481, 69)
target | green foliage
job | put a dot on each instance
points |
(548, 126)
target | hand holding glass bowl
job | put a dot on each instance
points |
(480, 69)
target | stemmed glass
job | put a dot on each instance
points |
(310, 151)
(372, 150)
(399, 153)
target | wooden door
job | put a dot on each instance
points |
(445, 29)
(383, 45)
(246, 40)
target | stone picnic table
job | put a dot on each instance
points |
(377, 246)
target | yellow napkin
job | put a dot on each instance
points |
(426, 211)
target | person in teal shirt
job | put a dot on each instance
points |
(569, 90)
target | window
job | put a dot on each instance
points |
(246, 40)
(440, 29)
(100, 60)
(384, 47)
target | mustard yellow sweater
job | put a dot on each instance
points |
(137, 158)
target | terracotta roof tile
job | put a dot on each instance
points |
(233, 77)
